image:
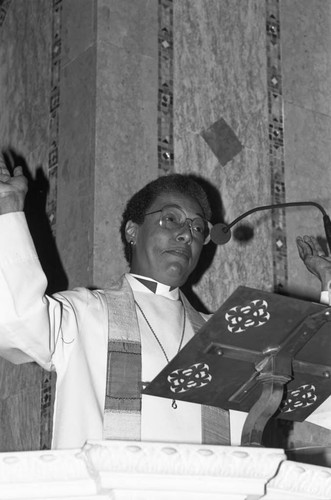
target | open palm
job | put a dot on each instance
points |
(315, 259)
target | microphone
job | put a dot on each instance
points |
(221, 233)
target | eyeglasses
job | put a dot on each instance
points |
(172, 217)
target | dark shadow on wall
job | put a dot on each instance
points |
(209, 250)
(35, 211)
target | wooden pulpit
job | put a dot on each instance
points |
(262, 353)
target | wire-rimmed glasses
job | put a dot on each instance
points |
(174, 218)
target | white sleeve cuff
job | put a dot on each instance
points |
(324, 297)
(16, 243)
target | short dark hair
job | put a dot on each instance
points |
(140, 202)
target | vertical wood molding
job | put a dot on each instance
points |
(276, 144)
(165, 88)
(53, 157)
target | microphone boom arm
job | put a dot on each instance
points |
(222, 238)
(277, 205)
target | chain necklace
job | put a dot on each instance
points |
(174, 404)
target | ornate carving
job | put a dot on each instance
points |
(103, 467)
(242, 317)
(192, 377)
(312, 481)
(301, 397)
(38, 466)
(182, 459)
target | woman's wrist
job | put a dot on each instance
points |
(10, 203)
(326, 283)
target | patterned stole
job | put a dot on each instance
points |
(122, 419)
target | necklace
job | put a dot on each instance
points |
(174, 404)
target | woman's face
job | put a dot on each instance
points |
(166, 255)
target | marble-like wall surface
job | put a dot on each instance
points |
(306, 66)
(25, 86)
(108, 116)
(126, 121)
(75, 176)
(220, 73)
(25, 80)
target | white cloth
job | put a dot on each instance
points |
(324, 298)
(161, 422)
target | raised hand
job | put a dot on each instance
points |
(13, 189)
(315, 259)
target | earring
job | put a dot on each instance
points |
(132, 242)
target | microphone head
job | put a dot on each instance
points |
(220, 234)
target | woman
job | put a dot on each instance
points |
(106, 344)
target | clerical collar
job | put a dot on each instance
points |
(145, 284)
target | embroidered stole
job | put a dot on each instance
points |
(122, 418)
